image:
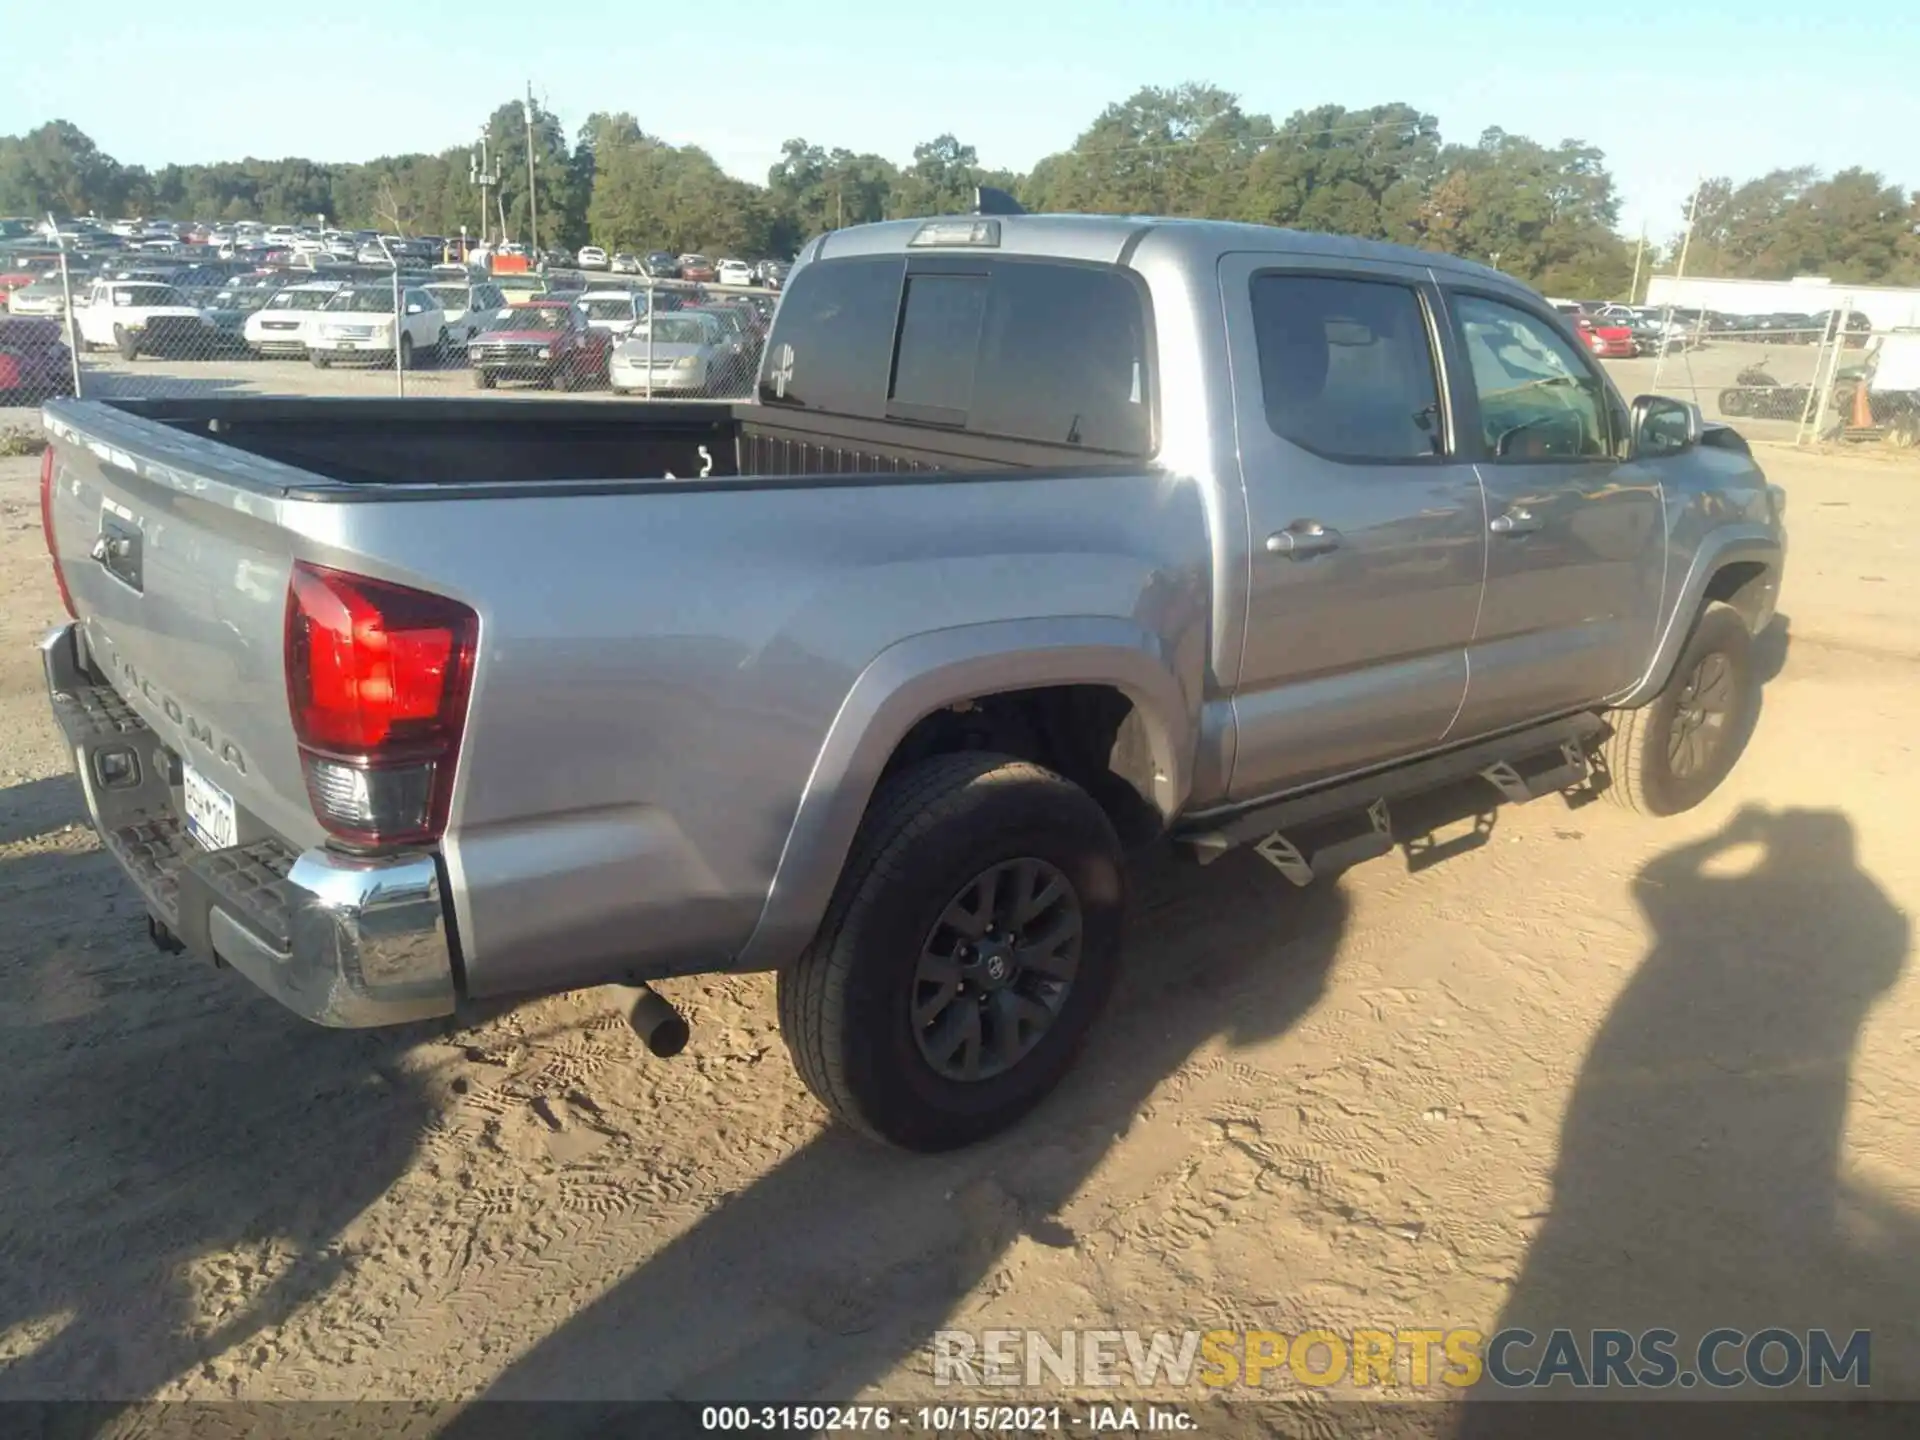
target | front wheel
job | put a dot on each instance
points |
(1672, 753)
(126, 342)
(483, 379)
(320, 362)
(406, 352)
(972, 941)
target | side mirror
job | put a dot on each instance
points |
(1662, 426)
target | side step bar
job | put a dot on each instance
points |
(1322, 831)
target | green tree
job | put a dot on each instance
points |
(940, 181)
(1347, 172)
(57, 168)
(1180, 151)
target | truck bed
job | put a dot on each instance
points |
(424, 447)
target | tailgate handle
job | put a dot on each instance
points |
(118, 551)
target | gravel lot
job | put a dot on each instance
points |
(1598, 1071)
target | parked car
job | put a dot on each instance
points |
(733, 272)
(746, 335)
(35, 364)
(624, 264)
(685, 352)
(546, 341)
(840, 724)
(1858, 327)
(614, 311)
(697, 269)
(45, 296)
(225, 313)
(659, 265)
(592, 257)
(283, 326)
(1608, 339)
(359, 324)
(466, 307)
(139, 317)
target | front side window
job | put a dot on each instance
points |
(1346, 367)
(1538, 398)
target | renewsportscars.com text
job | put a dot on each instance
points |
(1457, 1358)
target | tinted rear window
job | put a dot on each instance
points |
(1024, 350)
(939, 339)
(1063, 359)
(835, 333)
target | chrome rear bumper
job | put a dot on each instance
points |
(342, 940)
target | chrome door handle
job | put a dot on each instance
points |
(1517, 521)
(1303, 540)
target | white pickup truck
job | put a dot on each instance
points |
(138, 317)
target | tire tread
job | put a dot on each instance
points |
(931, 794)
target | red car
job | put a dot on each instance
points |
(544, 340)
(1605, 338)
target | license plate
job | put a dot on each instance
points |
(349, 344)
(209, 810)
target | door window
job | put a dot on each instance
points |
(1539, 400)
(1346, 367)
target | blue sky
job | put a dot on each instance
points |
(1669, 90)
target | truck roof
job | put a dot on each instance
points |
(1112, 238)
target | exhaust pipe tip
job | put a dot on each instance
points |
(661, 1027)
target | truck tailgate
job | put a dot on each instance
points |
(178, 570)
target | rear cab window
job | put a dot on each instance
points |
(1050, 351)
(1347, 367)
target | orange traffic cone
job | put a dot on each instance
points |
(1862, 406)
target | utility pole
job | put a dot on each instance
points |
(1679, 272)
(1639, 251)
(484, 172)
(533, 211)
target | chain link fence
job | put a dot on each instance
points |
(1842, 373)
(338, 316)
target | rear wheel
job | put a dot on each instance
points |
(972, 942)
(1671, 754)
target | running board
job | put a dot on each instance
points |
(1320, 832)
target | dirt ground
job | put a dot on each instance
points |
(1598, 1071)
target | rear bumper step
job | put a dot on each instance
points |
(339, 939)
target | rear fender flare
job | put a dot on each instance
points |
(917, 676)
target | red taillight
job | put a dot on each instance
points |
(377, 680)
(46, 528)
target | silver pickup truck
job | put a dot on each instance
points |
(1047, 537)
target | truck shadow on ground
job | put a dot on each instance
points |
(1700, 1180)
(174, 1142)
(836, 1266)
(39, 807)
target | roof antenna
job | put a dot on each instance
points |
(988, 200)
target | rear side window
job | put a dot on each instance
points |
(831, 347)
(1346, 367)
